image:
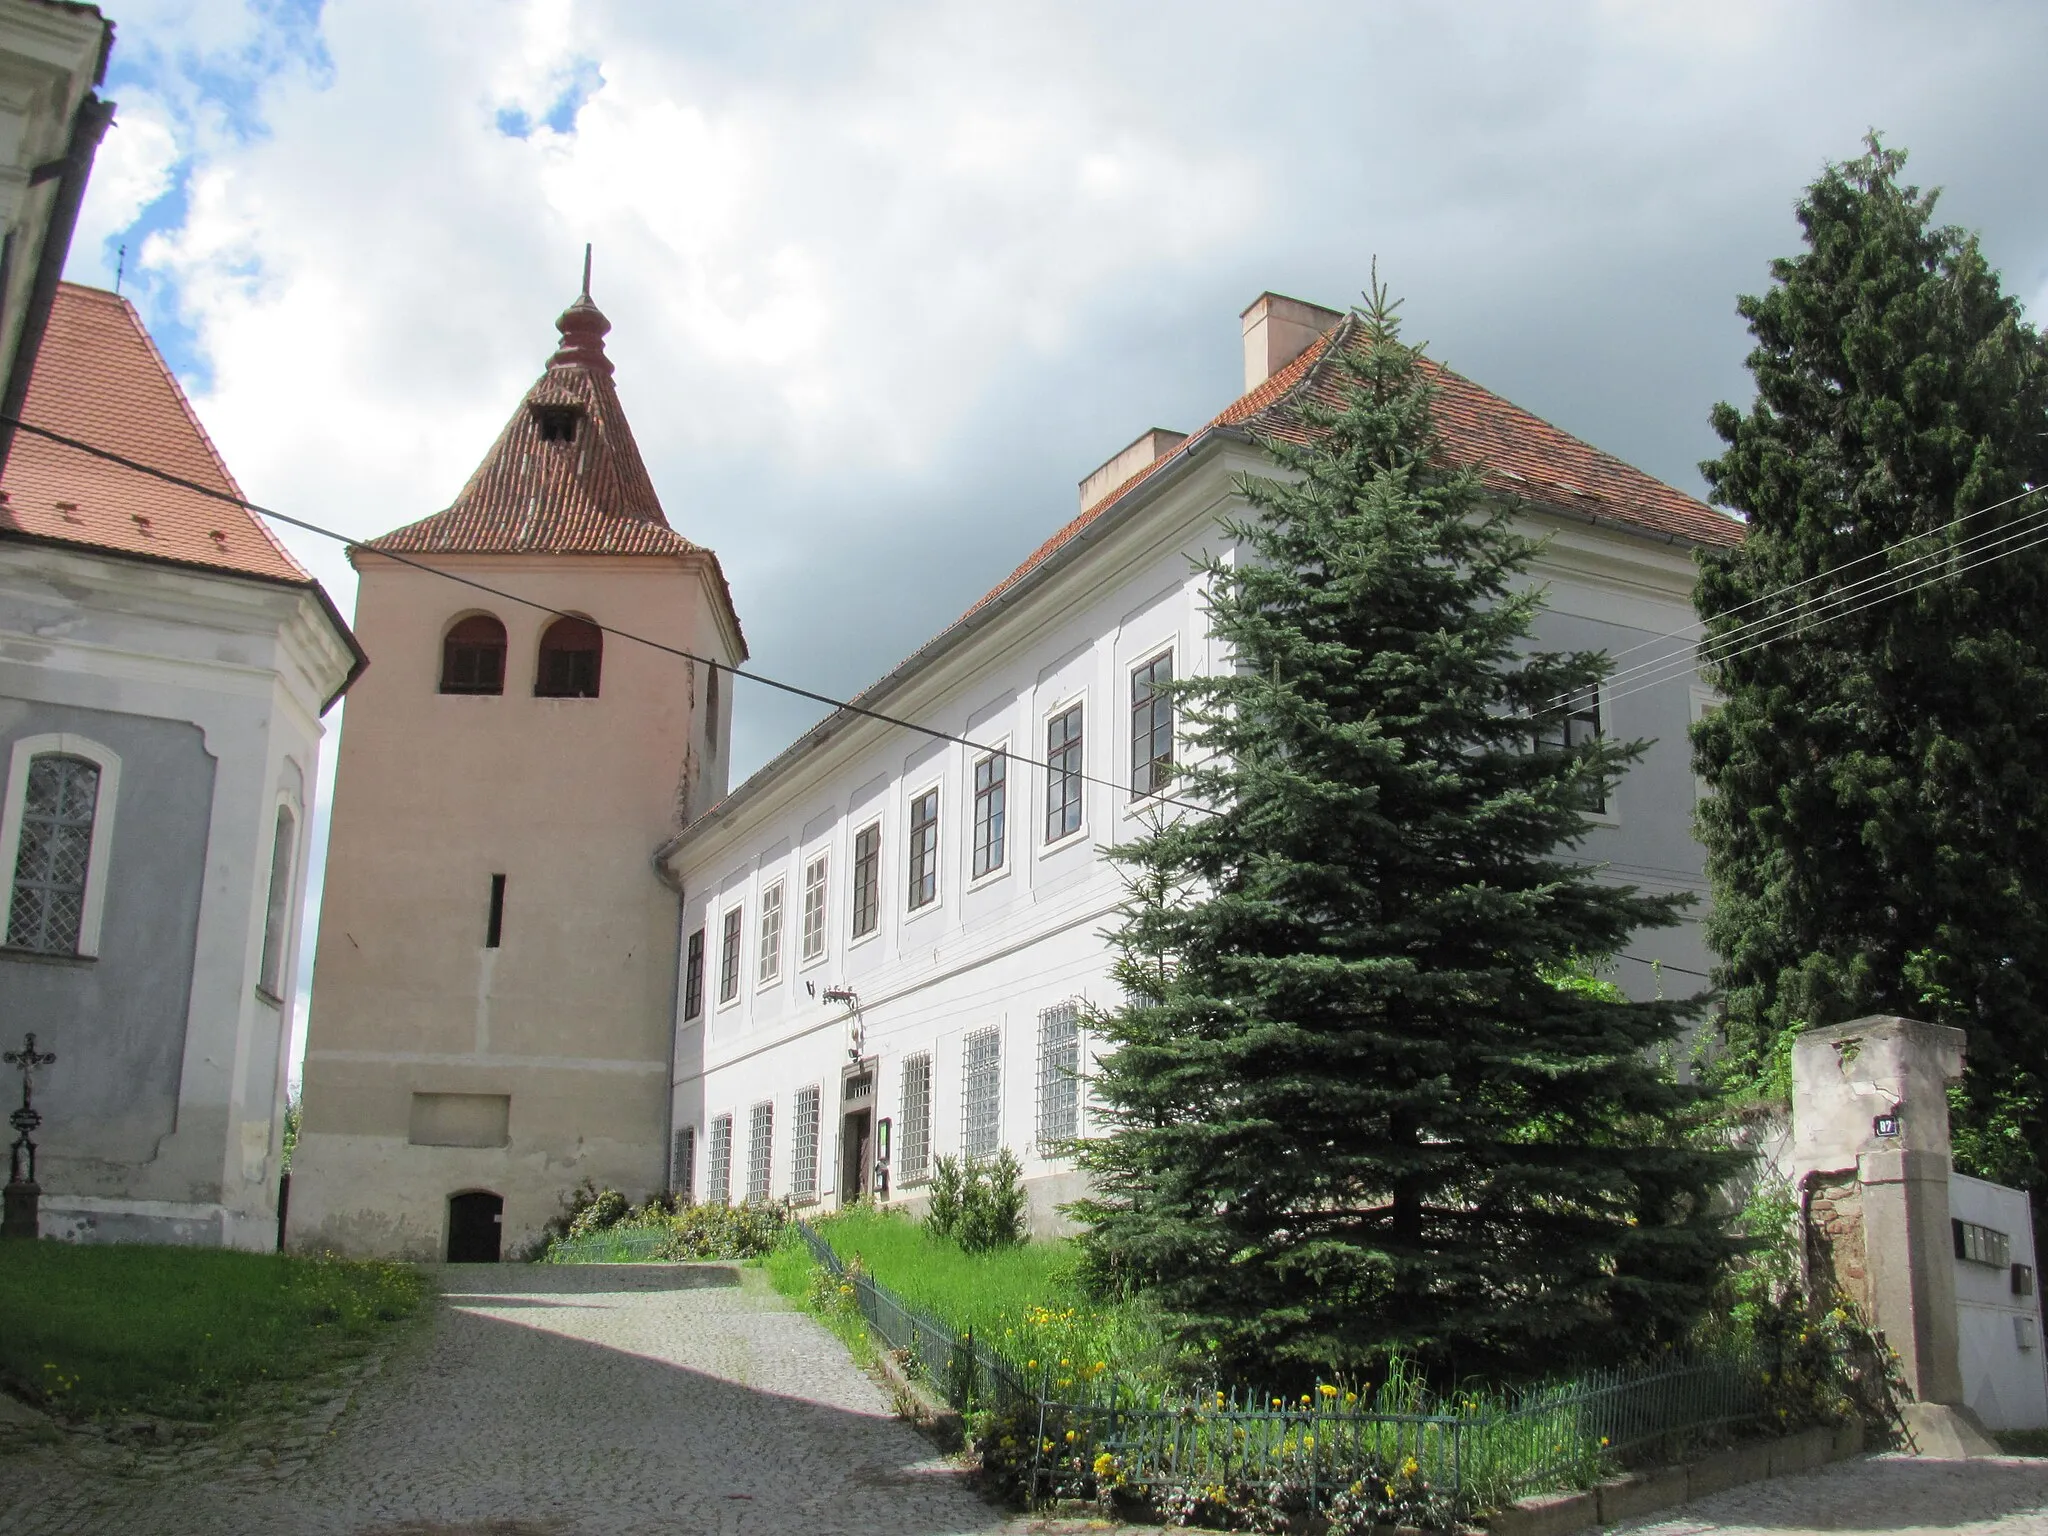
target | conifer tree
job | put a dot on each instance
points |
(1878, 833)
(1353, 1112)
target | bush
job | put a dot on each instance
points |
(978, 1203)
(598, 1228)
(602, 1209)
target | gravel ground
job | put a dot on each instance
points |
(557, 1402)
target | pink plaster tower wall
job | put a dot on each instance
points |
(439, 1064)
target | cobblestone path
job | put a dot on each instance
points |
(1879, 1495)
(608, 1400)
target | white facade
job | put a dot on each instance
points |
(198, 696)
(1004, 950)
(1998, 1304)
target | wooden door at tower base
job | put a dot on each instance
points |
(476, 1226)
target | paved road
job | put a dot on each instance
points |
(558, 1402)
(1879, 1495)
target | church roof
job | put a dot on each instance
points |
(1520, 454)
(99, 378)
(564, 477)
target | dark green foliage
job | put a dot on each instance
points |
(1876, 836)
(977, 1202)
(1362, 1105)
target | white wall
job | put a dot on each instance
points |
(1998, 1334)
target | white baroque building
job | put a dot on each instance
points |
(886, 933)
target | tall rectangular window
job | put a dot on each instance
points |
(729, 958)
(990, 792)
(494, 919)
(693, 975)
(914, 1141)
(1151, 726)
(1578, 726)
(1063, 774)
(718, 1166)
(54, 854)
(814, 907)
(1059, 1077)
(803, 1146)
(770, 965)
(277, 915)
(867, 879)
(981, 1093)
(760, 1149)
(682, 1164)
(924, 849)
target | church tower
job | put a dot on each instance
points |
(494, 994)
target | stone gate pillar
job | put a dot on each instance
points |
(1870, 1160)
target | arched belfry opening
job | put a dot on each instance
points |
(473, 656)
(476, 1227)
(571, 656)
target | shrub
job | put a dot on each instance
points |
(978, 1203)
(605, 1208)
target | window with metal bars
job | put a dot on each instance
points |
(867, 879)
(914, 1140)
(990, 794)
(760, 1151)
(1151, 726)
(54, 854)
(770, 965)
(693, 975)
(718, 1165)
(1063, 774)
(1574, 729)
(814, 907)
(729, 958)
(924, 849)
(803, 1145)
(1059, 1078)
(682, 1164)
(981, 1092)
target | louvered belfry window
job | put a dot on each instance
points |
(473, 656)
(50, 863)
(571, 656)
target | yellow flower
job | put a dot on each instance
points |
(1327, 1390)
(1603, 1439)
(1070, 1437)
(1104, 1464)
(1308, 1442)
(1410, 1467)
(1350, 1398)
(1030, 1365)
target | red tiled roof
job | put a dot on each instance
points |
(589, 495)
(1521, 454)
(98, 377)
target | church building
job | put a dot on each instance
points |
(493, 1014)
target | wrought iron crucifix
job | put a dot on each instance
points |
(28, 1061)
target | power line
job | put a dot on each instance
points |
(108, 456)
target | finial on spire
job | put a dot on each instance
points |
(586, 269)
(583, 326)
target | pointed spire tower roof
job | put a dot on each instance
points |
(565, 476)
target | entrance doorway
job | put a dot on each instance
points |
(476, 1225)
(856, 1143)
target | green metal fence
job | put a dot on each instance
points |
(611, 1246)
(1469, 1455)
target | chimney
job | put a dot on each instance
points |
(1150, 447)
(1277, 330)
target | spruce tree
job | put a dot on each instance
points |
(1878, 833)
(1353, 1111)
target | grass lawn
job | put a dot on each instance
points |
(184, 1333)
(1026, 1302)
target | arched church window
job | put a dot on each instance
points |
(473, 656)
(54, 854)
(571, 655)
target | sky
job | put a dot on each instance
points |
(887, 281)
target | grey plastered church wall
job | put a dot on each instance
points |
(118, 1022)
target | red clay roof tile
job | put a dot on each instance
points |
(100, 378)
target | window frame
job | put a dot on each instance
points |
(442, 683)
(821, 865)
(1602, 810)
(271, 985)
(976, 794)
(682, 1168)
(98, 856)
(873, 889)
(1139, 800)
(992, 1032)
(693, 972)
(1065, 1015)
(718, 1160)
(761, 1141)
(1049, 844)
(805, 1149)
(732, 944)
(934, 859)
(768, 927)
(540, 655)
(919, 1172)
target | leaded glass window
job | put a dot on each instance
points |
(55, 851)
(1063, 775)
(990, 793)
(981, 1093)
